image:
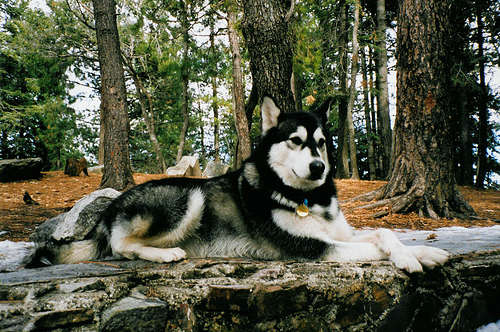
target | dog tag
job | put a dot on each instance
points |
(302, 210)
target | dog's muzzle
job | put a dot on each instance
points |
(316, 168)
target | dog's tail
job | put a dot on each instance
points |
(50, 253)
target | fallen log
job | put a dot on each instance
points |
(20, 169)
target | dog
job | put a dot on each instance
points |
(280, 205)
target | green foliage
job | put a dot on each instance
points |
(35, 119)
(38, 51)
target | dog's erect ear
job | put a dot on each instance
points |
(270, 113)
(323, 111)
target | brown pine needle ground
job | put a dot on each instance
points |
(57, 193)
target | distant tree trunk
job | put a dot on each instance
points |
(269, 43)
(250, 105)
(483, 104)
(185, 78)
(215, 107)
(342, 169)
(372, 95)
(353, 93)
(202, 132)
(117, 172)
(369, 132)
(297, 86)
(100, 158)
(147, 110)
(243, 149)
(423, 179)
(464, 173)
(384, 121)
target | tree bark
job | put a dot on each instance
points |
(243, 145)
(342, 169)
(353, 93)
(368, 125)
(269, 43)
(384, 121)
(423, 179)
(185, 79)
(117, 172)
(483, 104)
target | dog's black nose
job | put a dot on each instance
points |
(316, 167)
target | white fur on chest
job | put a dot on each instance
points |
(314, 225)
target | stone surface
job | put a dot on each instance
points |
(20, 169)
(187, 166)
(215, 169)
(135, 314)
(457, 240)
(13, 253)
(246, 295)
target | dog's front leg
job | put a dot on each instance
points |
(410, 258)
(354, 252)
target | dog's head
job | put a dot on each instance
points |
(296, 146)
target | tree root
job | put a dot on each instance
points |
(414, 200)
(369, 196)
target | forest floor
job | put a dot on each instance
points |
(56, 193)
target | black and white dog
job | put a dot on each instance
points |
(280, 205)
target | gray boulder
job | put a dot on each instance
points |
(76, 224)
(96, 169)
(187, 166)
(20, 169)
(215, 169)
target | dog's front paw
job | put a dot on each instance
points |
(406, 260)
(430, 256)
(173, 255)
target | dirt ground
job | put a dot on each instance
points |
(56, 193)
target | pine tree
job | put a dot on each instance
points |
(117, 172)
(423, 179)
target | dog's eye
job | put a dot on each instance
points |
(321, 142)
(295, 140)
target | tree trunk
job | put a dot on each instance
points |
(342, 171)
(269, 43)
(372, 95)
(100, 158)
(243, 145)
(423, 179)
(464, 161)
(483, 105)
(250, 105)
(297, 86)
(147, 110)
(353, 94)
(384, 121)
(117, 172)
(215, 107)
(185, 79)
(369, 132)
